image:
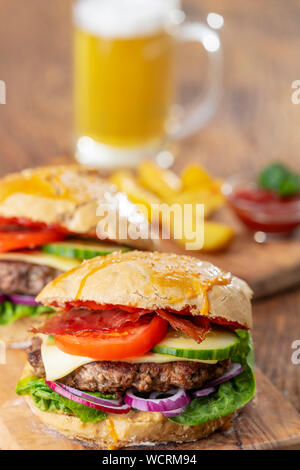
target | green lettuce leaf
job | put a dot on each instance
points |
(230, 395)
(10, 312)
(47, 400)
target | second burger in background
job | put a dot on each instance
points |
(48, 221)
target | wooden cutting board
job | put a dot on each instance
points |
(268, 422)
(268, 268)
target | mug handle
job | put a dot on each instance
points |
(204, 109)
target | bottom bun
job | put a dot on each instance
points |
(16, 334)
(134, 428)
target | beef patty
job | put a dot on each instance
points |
(18, 277)
(106, 376)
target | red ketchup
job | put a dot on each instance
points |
(264, 210)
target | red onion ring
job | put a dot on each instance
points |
(167, 414)
(204, 392)
(23, 300)
(178, 399)
(155, 395)
(101, 401)
(235, 369)
(170, 406)
(108, 409)
(2, 298)
(172, 413)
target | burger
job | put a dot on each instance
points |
(48, 225)
(143, 347)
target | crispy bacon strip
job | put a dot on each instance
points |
(80, 320)
(190, 326)
(108, 317)
(91, 305)
(231, 325)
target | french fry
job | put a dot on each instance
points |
(163, 183)
(217, 236)
(196, 177)
(155, 186)
(212, 200)
(129, 185)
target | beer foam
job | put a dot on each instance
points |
(125, 18)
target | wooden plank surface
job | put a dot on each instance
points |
(276, 327)
(269, 422)
(256, 121)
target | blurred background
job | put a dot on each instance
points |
(256, 121)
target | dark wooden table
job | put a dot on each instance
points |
(256, 121)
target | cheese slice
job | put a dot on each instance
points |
(37, 257)
(58, 364)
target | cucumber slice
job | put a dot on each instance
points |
(218, 345)
(82, 249)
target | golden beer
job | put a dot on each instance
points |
(124, 82)
(123, 87)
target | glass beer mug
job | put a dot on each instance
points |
(124, 52)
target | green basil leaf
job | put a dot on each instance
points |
(278, 178)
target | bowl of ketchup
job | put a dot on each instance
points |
(262, 206)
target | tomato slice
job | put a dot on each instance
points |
(115, 345)
(16, 240)
(21, 222)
